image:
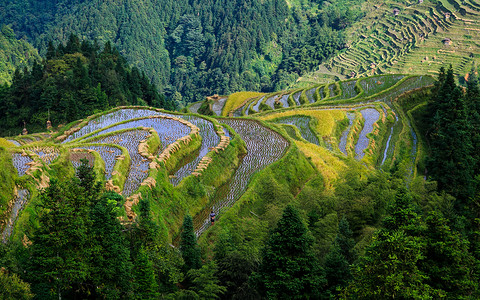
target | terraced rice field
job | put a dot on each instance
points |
(130, 140)
(302, 123)
(313, 126)
(418, 40)
(109, 154)
(20, 201)
(264, 147)
(342, 145)
(370, 116)
(21, 162)
(76, 158)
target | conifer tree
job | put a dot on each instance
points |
(339, 259)
(145, 284)
(473, 105)
(390, 267)
(289, 270)
(450, 162)
(60, 252)
(110, 260)
(450, 266)
(188, 245)
(345, 241)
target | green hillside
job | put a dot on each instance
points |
(14, 54)
(192, 49)
(260, 149)
(339, 153)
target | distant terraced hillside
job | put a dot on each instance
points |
(411, 37)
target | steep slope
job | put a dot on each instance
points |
(411, 37)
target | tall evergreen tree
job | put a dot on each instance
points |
(188, 245)
(473, 107)
(60, 253)
(450, 266)
(339, 259)
(110, 260)
(450, 162)
(145, 284)
(289, 269)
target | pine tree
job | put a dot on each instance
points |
(188, 245)
(450, 163)
(448, 262)
(60, 249)
(110, 260)
(473, 104)
(338, 260)
(289, 270)
(345, 241)
(145, 284)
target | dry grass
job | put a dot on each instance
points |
(326, 119)
(327, 164)
(237, 99)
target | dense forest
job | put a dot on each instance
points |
(192, 49)
(14, 54)
(74, 81)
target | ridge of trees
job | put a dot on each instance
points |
(75, 80)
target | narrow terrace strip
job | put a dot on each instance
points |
(370, 115)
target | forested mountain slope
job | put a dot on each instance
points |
(192, 49)
(14, 54)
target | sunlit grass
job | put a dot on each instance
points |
(5, 143)
(326, 119)
(325, 161)
(236, 99)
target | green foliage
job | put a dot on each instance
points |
(14, 54)
(13, 288)
(145, 285)
(110, 256)
(7, 184)
(451, 162)
(192, 49)
(289, 268)
(188, 245)
(76, 80)
(205, 283)
(60, 252)
(390, 268)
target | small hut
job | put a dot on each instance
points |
(447, 41)
(447, 16)
(420, 1)
(396, 11)
(352, 74)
